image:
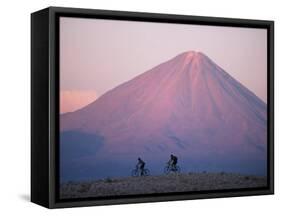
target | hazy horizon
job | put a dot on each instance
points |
(94, 61)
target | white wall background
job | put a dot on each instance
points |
(15, 107)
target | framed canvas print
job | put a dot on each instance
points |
(139, 107)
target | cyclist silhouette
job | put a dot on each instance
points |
(141, 165)
(173, 162)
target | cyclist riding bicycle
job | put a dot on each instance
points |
(173, 162)
(140, 165)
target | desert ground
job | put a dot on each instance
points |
(159, 184)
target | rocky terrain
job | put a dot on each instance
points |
(160, 184)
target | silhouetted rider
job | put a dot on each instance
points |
(173, 162)
(141, 165)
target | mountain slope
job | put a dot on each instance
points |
(187, 106)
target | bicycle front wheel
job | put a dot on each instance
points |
(167, 170)
(134, 173)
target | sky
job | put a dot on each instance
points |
(97, 55)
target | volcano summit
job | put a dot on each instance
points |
(187, 106)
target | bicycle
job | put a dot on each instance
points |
(137, 172)
(169, 168)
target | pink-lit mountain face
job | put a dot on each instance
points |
(187, 106)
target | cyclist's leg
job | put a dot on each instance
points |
(174, 167)
(142, 169)
(170, 166)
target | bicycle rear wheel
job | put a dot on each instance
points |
(178, 169)
(146, 172)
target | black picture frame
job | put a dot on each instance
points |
(45, 104)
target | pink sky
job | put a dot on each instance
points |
(73, 100)
(97, 55)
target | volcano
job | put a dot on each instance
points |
(187, 106)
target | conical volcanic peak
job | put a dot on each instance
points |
(194, 55)
(187, 105)
(194, 58)
(189, 82)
